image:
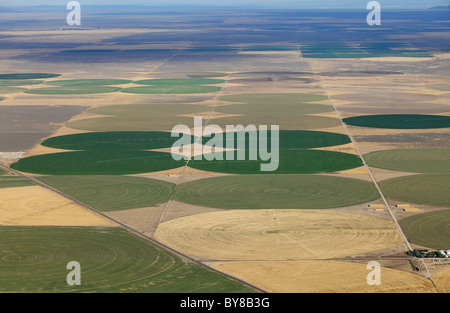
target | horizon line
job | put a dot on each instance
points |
(286, 7)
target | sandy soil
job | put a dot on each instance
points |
(144, 220)
(442, 280)
(37, 206)
(323, 277)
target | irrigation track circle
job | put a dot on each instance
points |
(109, 193)
(429, 229)
(425, 189)
(416, 160)
(400, 121)
(277, 234)
(276, 192)
(108, 258)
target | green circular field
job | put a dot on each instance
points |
(112, 141)
(111, 193)
(288, 161)
(428, 229)
(179, 81)
(19, 82)
(287, 139)
(99, 162)
(426, 160)
(426, 189)
(175, 86)
(276, 192)
(81, 89)
(10, 89)
(400, 121)
(112, 260)
(172, 89)
(28, 76)
(89, 82)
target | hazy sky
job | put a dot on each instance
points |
(256, 3)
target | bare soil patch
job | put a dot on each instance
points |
(323, 277)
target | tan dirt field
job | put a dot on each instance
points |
(323, 277)
(36, 206)
(179, 209)
(277, 234)
(142, 219)
(442, 280)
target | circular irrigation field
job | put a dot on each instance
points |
(106, 153)
(19, 82)
(110, 193)
(79, 86)
(34, 259)
(88, 82)
(175, 86)
(28, 76)
(98, 162)
(276, 192)
(425, 189)
(429, 229)
(400, 121)
(171, 89)
(141, 140)
(287, 162)
(73, 90)
(287, 139)
(416, 160)
(126, 140)
(277, 234)
(121, 162)
(180, 81)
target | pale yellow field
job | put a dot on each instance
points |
(277, 234)
(442, 280)
(323, 277)
(24, 206)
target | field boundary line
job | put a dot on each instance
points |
(394, 219)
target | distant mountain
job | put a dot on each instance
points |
(441, 8)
